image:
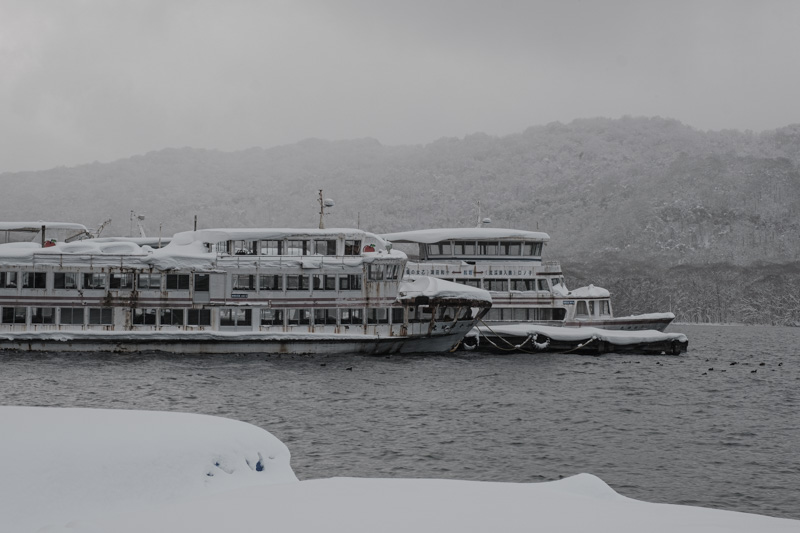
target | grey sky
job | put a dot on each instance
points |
(101, 79)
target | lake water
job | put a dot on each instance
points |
(718, 426)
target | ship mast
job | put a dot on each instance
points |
(323, 203)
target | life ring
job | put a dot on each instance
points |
(535, 341)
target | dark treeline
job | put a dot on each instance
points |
(706, 224)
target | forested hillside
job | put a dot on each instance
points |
(666, 216)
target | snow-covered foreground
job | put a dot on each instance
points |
(93, 471)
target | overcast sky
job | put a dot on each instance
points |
(100, 80)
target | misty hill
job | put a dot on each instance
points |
(618, 197)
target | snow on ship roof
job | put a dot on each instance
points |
(188, 250)
(413, 287)
(589, 292)
(37, 226)
(236, 234)
(89, 470)
(430, 236)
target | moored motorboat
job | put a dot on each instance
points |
(229, 291)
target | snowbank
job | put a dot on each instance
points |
(94, 471)
(581, 503)
(63, 464)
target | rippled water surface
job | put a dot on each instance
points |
(717, 427)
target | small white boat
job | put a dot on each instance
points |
(229, 291)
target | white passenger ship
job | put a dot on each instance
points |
(525, 290)
(229, 291)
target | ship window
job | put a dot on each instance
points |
(244, 282)
(8, 280)
(149, 281)
(271, 247)
(327, 247)
(65, 280)
(34, 280)
(512, 249)
(555, 281)
(378, 316)
(325, 316)
(605, 307)
(297, 282)
(542, 284)
(392, 272)
(297, 248)
(43, 315)
(323, 282)
(487, 248)
(458, 248)
(142, 317)
(532, 249)
(245, 247)
(235, 317)
(172, 317)
(397, 315)
(352, 247)
(375, 272)
(349, 282)
(441, 248)
(270, 282)
(101, 316)
(470, 282)
(469, 248)
(121, 280)
(14, 315)
(352, 316)
(271, 317)
(177, 282)
(202, 282)
(198, 317)
(298, 317)
(446, 314)
(519, 314)
(94, 280)
(72, 315)
(523, 285)
(591, 308)
(493, 314)
(581, 309)
(495, 284)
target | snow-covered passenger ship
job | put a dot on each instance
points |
(525, 289)
(229, 291)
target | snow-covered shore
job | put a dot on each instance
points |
(92, 471)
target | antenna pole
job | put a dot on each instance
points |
(321, 211)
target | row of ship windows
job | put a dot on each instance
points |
(100, 280)
(494, 284)
(104, 316)
(287, 247)
(241, 282)
(477, 248)
(523, 314)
